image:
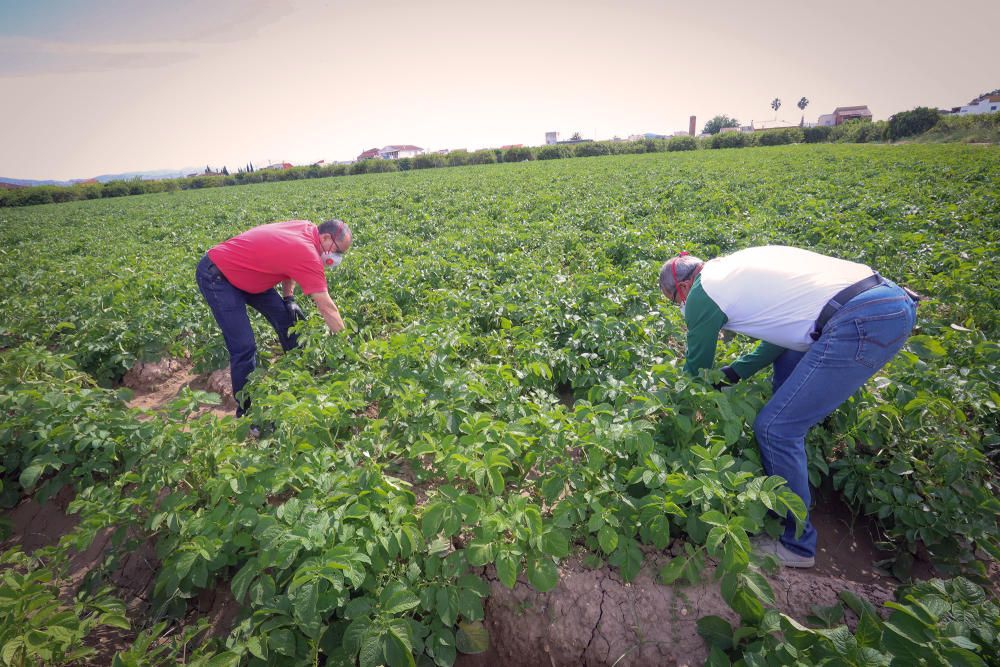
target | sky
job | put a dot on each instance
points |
(110, 86)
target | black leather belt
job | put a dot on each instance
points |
(841, 298)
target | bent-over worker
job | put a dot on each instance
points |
(244, 271)
(825, 324)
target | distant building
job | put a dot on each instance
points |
(551, 138)
(750, 128)
(396, 152)
(843, 114)
(989, 103)
(278, 166)
(509, 146)
(393, 152)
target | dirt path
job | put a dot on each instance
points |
(155, 384)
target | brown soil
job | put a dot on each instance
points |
(847, 545)
(35, 525)
(220, 608)
(156, 383)
(846, 548)
(593, 618)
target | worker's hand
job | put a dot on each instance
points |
(294, 310)
(731, 378)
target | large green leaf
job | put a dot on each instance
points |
(507, 568)
(542, 574)
(716, 631)
(472, 638)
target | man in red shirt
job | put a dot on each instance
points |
(245, 270)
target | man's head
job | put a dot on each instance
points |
(334, 236)
(677, 276)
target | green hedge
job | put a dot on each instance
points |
(979, 128)
(732, 140)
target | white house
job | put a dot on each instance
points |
(826, 120)
(989, 103)
(390, 153)
(396, 152)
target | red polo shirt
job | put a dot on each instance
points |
(258, 259)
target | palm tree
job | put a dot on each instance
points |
(803, 103)
(776, 104)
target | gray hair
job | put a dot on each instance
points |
(338, 229)
(685, 266)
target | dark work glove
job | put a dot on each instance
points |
(731, 378)
(294, 310)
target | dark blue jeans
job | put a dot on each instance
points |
(857, 341)
(229, 306)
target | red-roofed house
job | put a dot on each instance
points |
(370, 154)
(843, 114)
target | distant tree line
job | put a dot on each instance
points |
(921, 123)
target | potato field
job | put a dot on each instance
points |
(506, 409)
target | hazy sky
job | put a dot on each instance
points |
(108, 86)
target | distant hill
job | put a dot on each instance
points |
(25, 183)
(104, 178)
(148, 175)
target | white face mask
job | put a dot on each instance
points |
(331, 260)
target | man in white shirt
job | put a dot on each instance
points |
(826, 324)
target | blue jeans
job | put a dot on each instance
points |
(229, 306)
(858, 340)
